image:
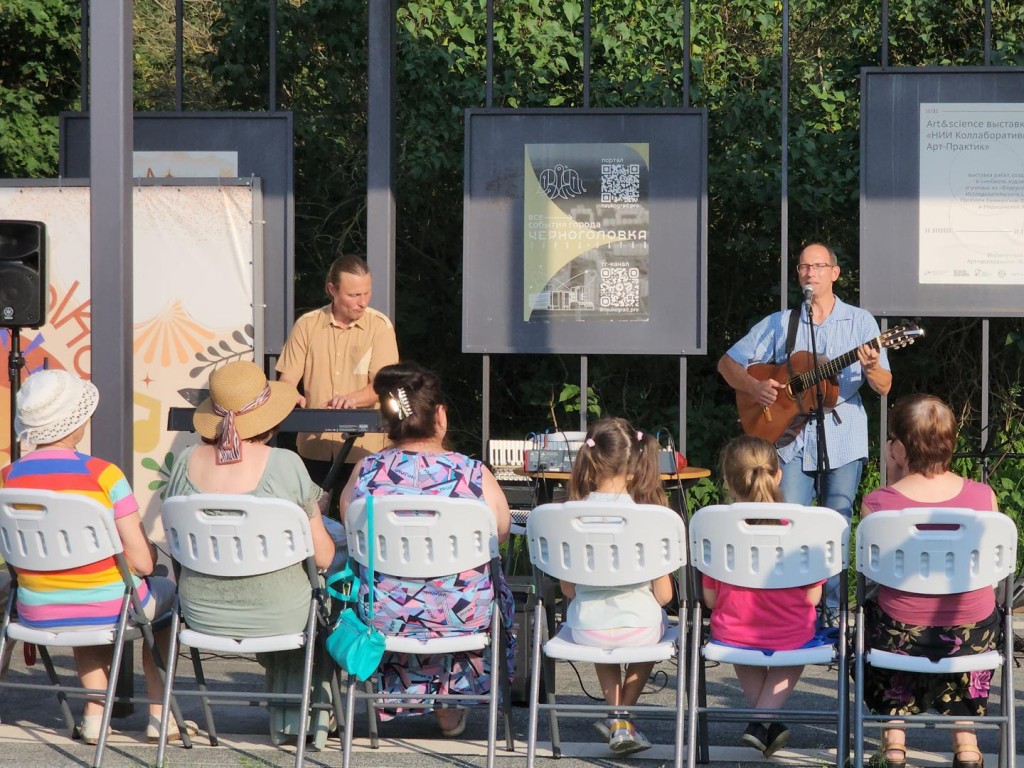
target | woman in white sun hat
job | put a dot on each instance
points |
(53, 408)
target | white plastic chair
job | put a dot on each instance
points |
(232, 536)
(900, 549)
(55, 531)
(603, 544)
(743, 545)
(423, 537)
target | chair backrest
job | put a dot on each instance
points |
(769, 546)
(421, 536)
(235, 535)
(504, 457)
(606, 544)
(904, 550)
(55, 531)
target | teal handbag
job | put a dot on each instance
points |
(357, 647)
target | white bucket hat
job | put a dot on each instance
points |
(52, 405)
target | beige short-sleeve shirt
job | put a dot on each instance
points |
(331, 360)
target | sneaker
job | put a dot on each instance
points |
(89, 730)
(604, 727)
(623, 737)
(641, 741)
(756, 736)
(778, 737)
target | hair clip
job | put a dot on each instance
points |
(399, 403)
(590, 442)
(639, 435)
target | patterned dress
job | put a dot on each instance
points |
(455, 604)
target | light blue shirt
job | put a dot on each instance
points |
(845, 328)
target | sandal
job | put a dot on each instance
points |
(882, 760)
(153, 729)
(958, 763)
(459, 727)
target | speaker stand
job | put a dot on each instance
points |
(15, 362)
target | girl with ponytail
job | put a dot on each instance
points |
(618, 463)
(766, 619)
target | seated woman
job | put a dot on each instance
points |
(418, 463)
(922, 436)
(236, 422)
(53, 410)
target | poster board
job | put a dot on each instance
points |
(942, 192)
(197, 270)
(585, 231)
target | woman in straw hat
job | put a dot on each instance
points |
(236, 422)
(53, 409)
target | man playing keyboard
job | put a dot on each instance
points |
(334, 352)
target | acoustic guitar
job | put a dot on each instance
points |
(782, 421)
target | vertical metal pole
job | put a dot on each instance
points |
(681, 443)
(179, 57)
(583, 393)
(485, 369)
(489, 85)
(784, 176)
(84, 30)
(380, 154)
(586, 105)
(485, 422)
(272, 79)
(885, 33)
(110, 219)
(586, 54)
(988, 32)
(110, 243)
(985, 382)
(883, 423)
(687, 52)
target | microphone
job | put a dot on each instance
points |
(808, 293)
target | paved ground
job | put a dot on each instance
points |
(32, 734)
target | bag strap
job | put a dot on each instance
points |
(371, 545)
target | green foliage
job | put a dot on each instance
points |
(39, 58)
(636, 61)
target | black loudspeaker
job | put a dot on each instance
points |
(23, 285)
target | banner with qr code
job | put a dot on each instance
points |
(586, 218)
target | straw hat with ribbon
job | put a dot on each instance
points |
(242, 404)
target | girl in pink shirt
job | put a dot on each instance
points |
(773, 619)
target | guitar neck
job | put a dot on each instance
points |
(828, 370)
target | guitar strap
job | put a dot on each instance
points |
(794, 323)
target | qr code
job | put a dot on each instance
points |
(620, 289)
(620, 183)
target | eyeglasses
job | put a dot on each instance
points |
(803, 269)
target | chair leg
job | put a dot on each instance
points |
(62, 699)
(695, 679)
(115, 669)
(307, 684)
(350, 709)
(371, 711)
(165, 714)
(197, 668)
(497, 672)
(539, 627)
(172, 704)
(677, 758)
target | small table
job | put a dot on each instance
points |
(685, 478)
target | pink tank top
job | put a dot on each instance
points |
(935, 610)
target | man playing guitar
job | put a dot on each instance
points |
(837, 327)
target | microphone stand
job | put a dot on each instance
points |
(15, 362)
(821, 466)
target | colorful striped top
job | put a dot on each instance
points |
(84, 597)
